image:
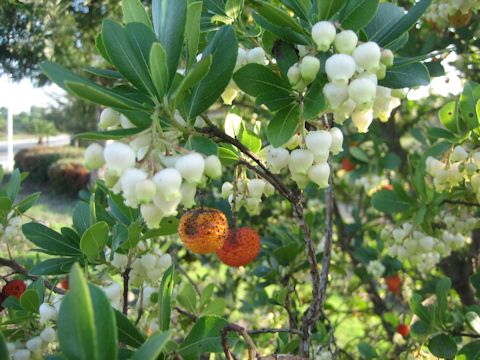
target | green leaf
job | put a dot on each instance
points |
(105, 324)
(202, 145)
(357, 13)
(215, 307)
(402, 25)
(386, 15)
(169, 19)
(420, 310)
(467, 106)
(283, 126)
(94, 240)
(133, 235)
(326, 9)
(128, 334)
(276, 16)
(152, 348)
(448, 116)
(134, 11)
(286, 34)
(204, 337)
(223, 48)
(259, 81)
(165, 298)
(27, 202)
(228, 155)
(389, 202)
(30, 301)
(314, 101)
(3, 348)
(251, 141)
(116, 134)
(168, 226)
(403, 76)
(473, 321)
(299, 7)
(76, 323)
(233, 8)
(56, 266)
(129, 52)
(441, 291)
(81, 217)
(470, 351)
(367, 351)
(192, 30)
(475, 281)
(159, 69)
(192, 78)
(48, 240)
(13, 186)
(442, 346)
(5, 206)
(187, 297)
(359, 154)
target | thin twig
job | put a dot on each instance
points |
(21, 270)
(126, 279)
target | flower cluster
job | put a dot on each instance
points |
(353, 72)
(308, 159)
(160, 184)
(424, 251)
(247, 192)
(372, 183)
(459, 166)
(376, 268)
(34, 347)
(11, 232)
(441, 13)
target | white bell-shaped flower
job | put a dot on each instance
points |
(129, 180)
(145, 190)
(362, 120)
(337, 141)
(22, 354)
(241, 57)
(458, 154)
(94, 157)
(125, 123)
(118, 158)
(47, 312)
(300, 161)
(168, 207)
(188, 192)
(256, 188)
(277, 159)
(434, 166)
(346, 41)
(363, 92)
(108, 118)
(48, 335)
(34, 344)
(256, 56)
(309, 68)
(152, 215)
(168, 183)
(191, 167)
(387, 57)
(336, 94)
(367, 56)
(227, 189)
(319, 174)
(319, 141)
(294, 75)
(213, 167)
(323, 35)
(340, 68)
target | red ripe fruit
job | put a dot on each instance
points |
(64, 283)
(14, 288)
(240, 248)
(403, 329)
(394, 284)
(388, 187)
(347, 165)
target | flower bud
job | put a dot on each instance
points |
(309, 68)
(399, 93)
(386, 57)
(336, 94)
(458, 154)
(227, 189)
(301, 180)
(229, 94)
(337, 141)
(213, 167)
(191, 167)
(434, 166)
(252, 205)
(346, 41)
(367, 56)
(47, 313)
(168, 183)
(340, 68)
(148, 261)
(362, 120)
(21, 354)
(256, 188)
(118, 158)
(300, 161)
(318, 142)
(381, 72)
(129, 180)
(168, 207)
(323, 35)
(277, 159)
(362, 91)
(188, 192)
(145, 190)
(256, 55)
(319, 174)
(34, 344)
(165, 261)
(294, 75)
(152, 215)
(94, 157)
(125, 123)
(48, 335)
(269, 189)
(108, 118)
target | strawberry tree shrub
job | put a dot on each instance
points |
(258, 199)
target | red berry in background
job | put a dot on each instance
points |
(64, 283)
(14, 288)
(403, 329)
(388, 187)
(347, 165)
(394, 284)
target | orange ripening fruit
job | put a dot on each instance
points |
(241, 247)
(403, 329)
(203, 230)
(394, 284)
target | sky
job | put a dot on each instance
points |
(20, 96)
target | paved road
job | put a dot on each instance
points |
(19, 144)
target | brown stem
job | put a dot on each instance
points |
(21, 270)
(126, 278)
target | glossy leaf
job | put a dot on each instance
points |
(159, 69)
(153, 346)
(165, 298)
(389, 202)
(48, 239)
(357, 13)
(94, 240)
(127, 332)
(134, 11)
(283, 126)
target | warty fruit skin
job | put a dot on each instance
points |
(240, 248)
